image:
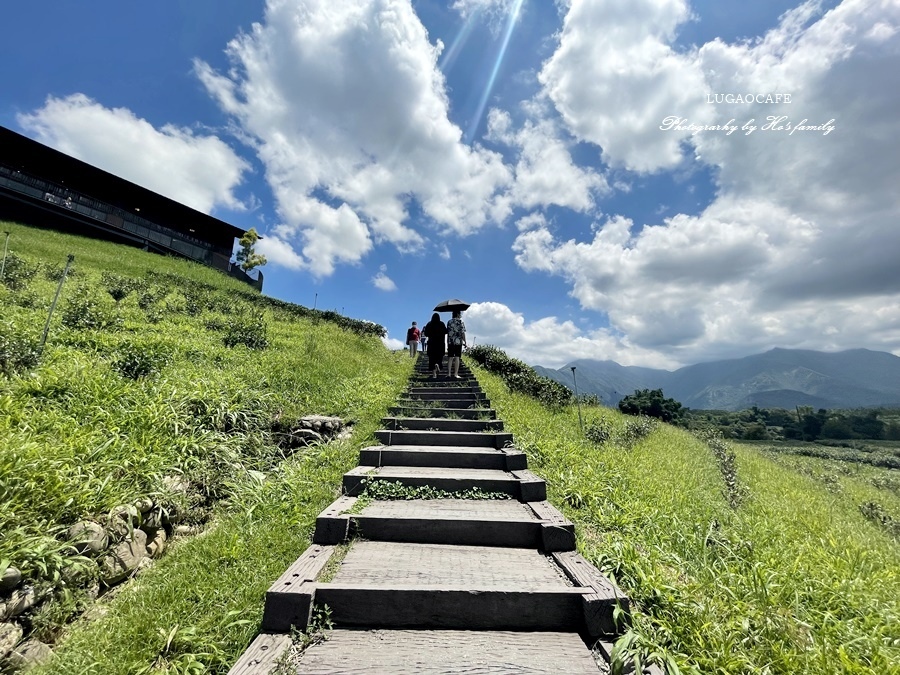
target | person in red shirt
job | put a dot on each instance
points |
(412, 339)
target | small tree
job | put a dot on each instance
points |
(652, 403)
(247, 257)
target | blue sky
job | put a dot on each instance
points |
(511, 153)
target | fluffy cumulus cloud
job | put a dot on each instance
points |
(798, 248)
(549, 341)
(545, 174)
(614, 76)
(382, 281)
(201, 171)
(349, 114)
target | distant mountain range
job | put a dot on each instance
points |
(779, 378)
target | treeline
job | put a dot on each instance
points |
(803, 423)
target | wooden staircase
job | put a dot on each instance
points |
(443, 585)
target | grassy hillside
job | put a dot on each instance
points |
(157, 369)
(792, 579)
(165, 380)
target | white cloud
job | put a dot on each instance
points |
(545, 173)
(350, 116)
(549, 341)
(200, 171)
(531, 221)
(798, 248)
(468, 7)
(279, 252)
(393, 343)
(382, 281)
(614, 77)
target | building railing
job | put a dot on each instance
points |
(109, 215)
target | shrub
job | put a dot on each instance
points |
(520, 377)
(637, 429)
(876, 513)
(17, 272)
(117, 286)
(249, 331)
(86, 310)
(18, 352)
(137, 360)
(734, 492)
(598, 431)
(54, 272)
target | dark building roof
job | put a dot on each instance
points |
(37, 160)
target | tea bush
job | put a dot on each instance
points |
(18, 350)
(86, 309)
(117, 286)
(250, 331)
(136, 360)
(520, 377)
(17, 272)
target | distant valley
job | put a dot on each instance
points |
(779, 378)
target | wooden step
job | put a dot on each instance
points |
(427, 652)
(522, 484)
(443, 412)
(455, 457)
(449, 393)
(426, 424)
(480, 439)
(386, 584)
(455, 402)
(469, 522)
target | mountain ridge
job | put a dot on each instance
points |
(853, 378)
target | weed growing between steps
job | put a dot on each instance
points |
(333, 565)
(387, 490)
(790, 578)
(319, 630)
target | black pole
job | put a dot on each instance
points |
(53, 304)
(577, 400)
(5, 248)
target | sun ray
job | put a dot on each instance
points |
(510, 25)
(448, 58)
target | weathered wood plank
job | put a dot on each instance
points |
(289, 600)
(262, 655)
(534, 608)
(425, 652)
(531, 487)
(333, 524)
(516, 460)
(558, 534)
(601, 605)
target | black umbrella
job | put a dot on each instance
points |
(453, 305)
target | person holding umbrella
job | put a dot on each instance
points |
(456, 340)
(436, 332)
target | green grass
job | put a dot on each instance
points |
(795, 579)
(131, 391)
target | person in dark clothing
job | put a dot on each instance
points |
(436, 332)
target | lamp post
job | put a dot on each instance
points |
(577, 400)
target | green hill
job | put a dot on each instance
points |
(738, 559)
(168, 381)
